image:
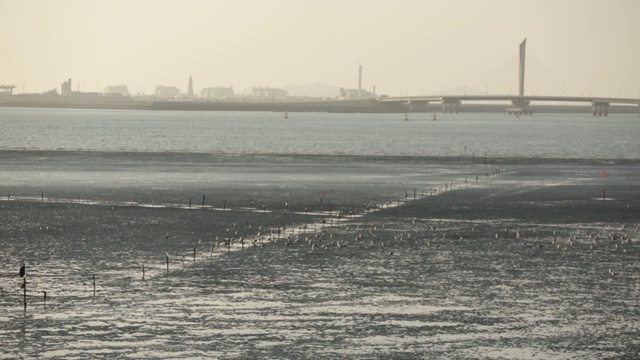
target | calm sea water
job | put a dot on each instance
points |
(541, 135)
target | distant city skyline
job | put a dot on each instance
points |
(405, 47)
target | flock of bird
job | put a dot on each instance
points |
(343, 232)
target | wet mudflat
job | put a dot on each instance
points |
(341, 262)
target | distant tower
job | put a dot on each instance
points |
(359, 81)
(190, 91)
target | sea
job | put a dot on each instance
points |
(255, 235)
(539, 135)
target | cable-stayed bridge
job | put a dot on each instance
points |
(501, 79)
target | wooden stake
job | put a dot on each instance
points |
(24, 287)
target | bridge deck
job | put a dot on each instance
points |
(509, 98)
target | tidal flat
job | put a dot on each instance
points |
(292, 256)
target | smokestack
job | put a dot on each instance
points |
(359, 81)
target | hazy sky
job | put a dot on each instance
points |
(404, 46)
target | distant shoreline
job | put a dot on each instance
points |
(328, 106)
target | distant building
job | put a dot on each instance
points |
(7, 89)
(190, 91)
(167, 92)
(352, 94)
(66, 88)
(267, 93)
(218, 92)
(117, 89)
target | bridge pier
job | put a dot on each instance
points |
(600, 108)
(450, 106)
(520, 105)
(421, 106)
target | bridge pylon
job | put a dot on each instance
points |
(523, 47)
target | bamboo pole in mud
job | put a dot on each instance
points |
(45, 299)
(203, 197)
(189, 203)
(94, 286)
(24, 287)
(23, 275)
(42, 195)
(194, 254)
(142, 271)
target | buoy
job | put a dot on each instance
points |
(406, 117)
(286, 115)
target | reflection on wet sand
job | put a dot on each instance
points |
(524, 262)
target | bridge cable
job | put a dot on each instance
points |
(569, 89)
(544, 83)
(557, 82)
(493, 83)
(495, 76)
(538, 84)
